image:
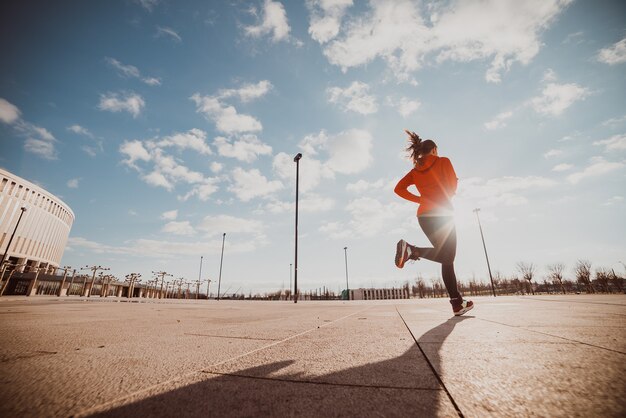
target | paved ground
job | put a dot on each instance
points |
(511, 356)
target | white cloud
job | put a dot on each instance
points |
(134, 151)
(77, 129)
(246, 148)
(354, 98)
(614, 200)
(202, 191)
(73, 183)
(125, 101)
(406, 107)
(130, 71)
(614, 121)
(615, 54)
(363, 186)
(508, 190)
(164, 249)
(309, 203)
(168, 32)
(274, 22)
(312, 171)
(151, 81)
(614, 143)
(170, 215)
(39, 141)
(41, 148)
(220, 224)
(9, 113)
(556, 98)
(503, 31)
(350, 151)
(194, 139)
(250, 184)
(562, 167)
(123, 70)
(216, 167)
(326, 16)
(247, 92)
(147, 4)
(157, 179)
(226, 117)
(179, 228)
(132, 212)
(598, 167)
(368, 218)
(552, 153)
(499, 121)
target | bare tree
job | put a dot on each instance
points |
(421, 287)
(603, 276)
(583, 274)
(617, 281)
(556, 274)
(528, 271)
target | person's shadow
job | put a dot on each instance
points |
(259, 391)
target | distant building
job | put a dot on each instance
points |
(378, 294)
(42, 234)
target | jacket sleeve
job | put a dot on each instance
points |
(402, 188)
(450, 178)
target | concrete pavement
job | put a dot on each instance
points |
(510, 356)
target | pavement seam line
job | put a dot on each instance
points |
(555, 336)
(575, 301)
(432, 368)
(103, 407)
(311, 382)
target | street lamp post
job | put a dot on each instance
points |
(493, 289)
(4, 256)
(219, 281)
(296, 159)
(208, 286)
(345, 250)
(290, 292)
(93, 277)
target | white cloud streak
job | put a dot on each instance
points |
(556, 98)
(246, 148)
(273, 22)
(614, 143)
(249, 184)
(168, 32)
(502, 31)
(9, 113)
(326, 17)
(598, 167)
(353, 98)
(122, 102)
(615, 54)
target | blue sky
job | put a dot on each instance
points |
(163, 124)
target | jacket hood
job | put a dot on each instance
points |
(429, 160)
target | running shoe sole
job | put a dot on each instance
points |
(464, 310)
(400, 251)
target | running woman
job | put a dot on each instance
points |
(436, 182)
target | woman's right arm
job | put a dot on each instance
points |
(403, 186)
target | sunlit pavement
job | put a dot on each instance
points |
(510, 356)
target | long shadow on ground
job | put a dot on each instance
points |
(258, 391)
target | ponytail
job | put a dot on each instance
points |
(418, 148)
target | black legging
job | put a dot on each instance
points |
(441, 233)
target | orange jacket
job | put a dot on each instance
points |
(435, 181)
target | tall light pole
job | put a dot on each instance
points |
(345, 250)
(208, 286)
(4, 256)
(290, 292)
(219, 280)
(200, 273)
(93, 278)
(296, 159)
(493, 289)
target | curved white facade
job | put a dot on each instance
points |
(42, 232)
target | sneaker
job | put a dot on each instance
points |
(404, 252)
(463, 307)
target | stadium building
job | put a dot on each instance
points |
(44, 225)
